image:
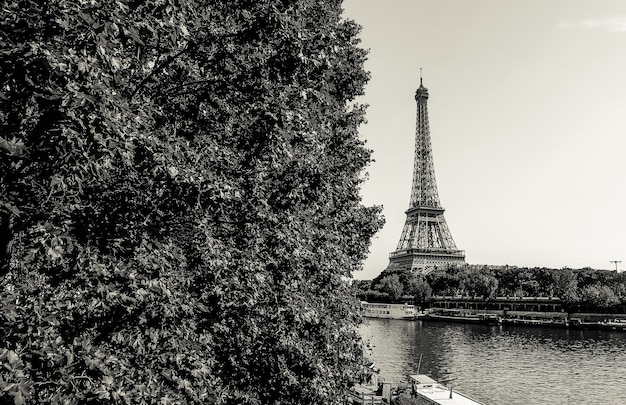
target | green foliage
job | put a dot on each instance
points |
(421, 291)
(566, 286)
(180, 186)
(481, 284)
(599, 288)
(391, 285)
(599, 295)
(448, 282)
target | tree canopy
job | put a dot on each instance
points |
(179, 201)
(598, 288)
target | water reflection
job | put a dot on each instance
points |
(505, 365)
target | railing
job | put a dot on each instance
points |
(427, 251)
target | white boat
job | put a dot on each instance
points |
(429, 392)
(389, 311)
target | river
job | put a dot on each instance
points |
(503, 365)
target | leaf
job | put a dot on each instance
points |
(116, 63)
(53, 253)
(134, 34)
(184, 30)
(12, 208)
(12, 357)
(14, 146)
(69, 356)
(18, 398)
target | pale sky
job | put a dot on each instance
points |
(527, 115)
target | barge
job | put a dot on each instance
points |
(426, 391)
(454, 316)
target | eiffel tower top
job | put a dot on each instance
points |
(424, 192)
(422, 92)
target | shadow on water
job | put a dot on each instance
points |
(503, 364)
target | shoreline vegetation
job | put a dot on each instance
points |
(573, 290)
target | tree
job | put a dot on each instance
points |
(599, 295)
(421, 290)
(179, 183)
(566, 285)
(391, 285)
(544, 280)
(451, 281)
(481, 284)
(507, 280)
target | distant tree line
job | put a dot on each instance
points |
(599, 288)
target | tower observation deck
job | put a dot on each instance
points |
(426, 241)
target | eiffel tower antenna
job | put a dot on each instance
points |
(426, 241)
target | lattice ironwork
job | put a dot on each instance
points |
(426, 241)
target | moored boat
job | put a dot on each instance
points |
(617, 325)
(536, 322)
(454, 316)
(614, 324)
(430, 392)
(389, 311)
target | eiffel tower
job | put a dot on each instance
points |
(426, 241)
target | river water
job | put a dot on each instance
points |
(504, 365)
